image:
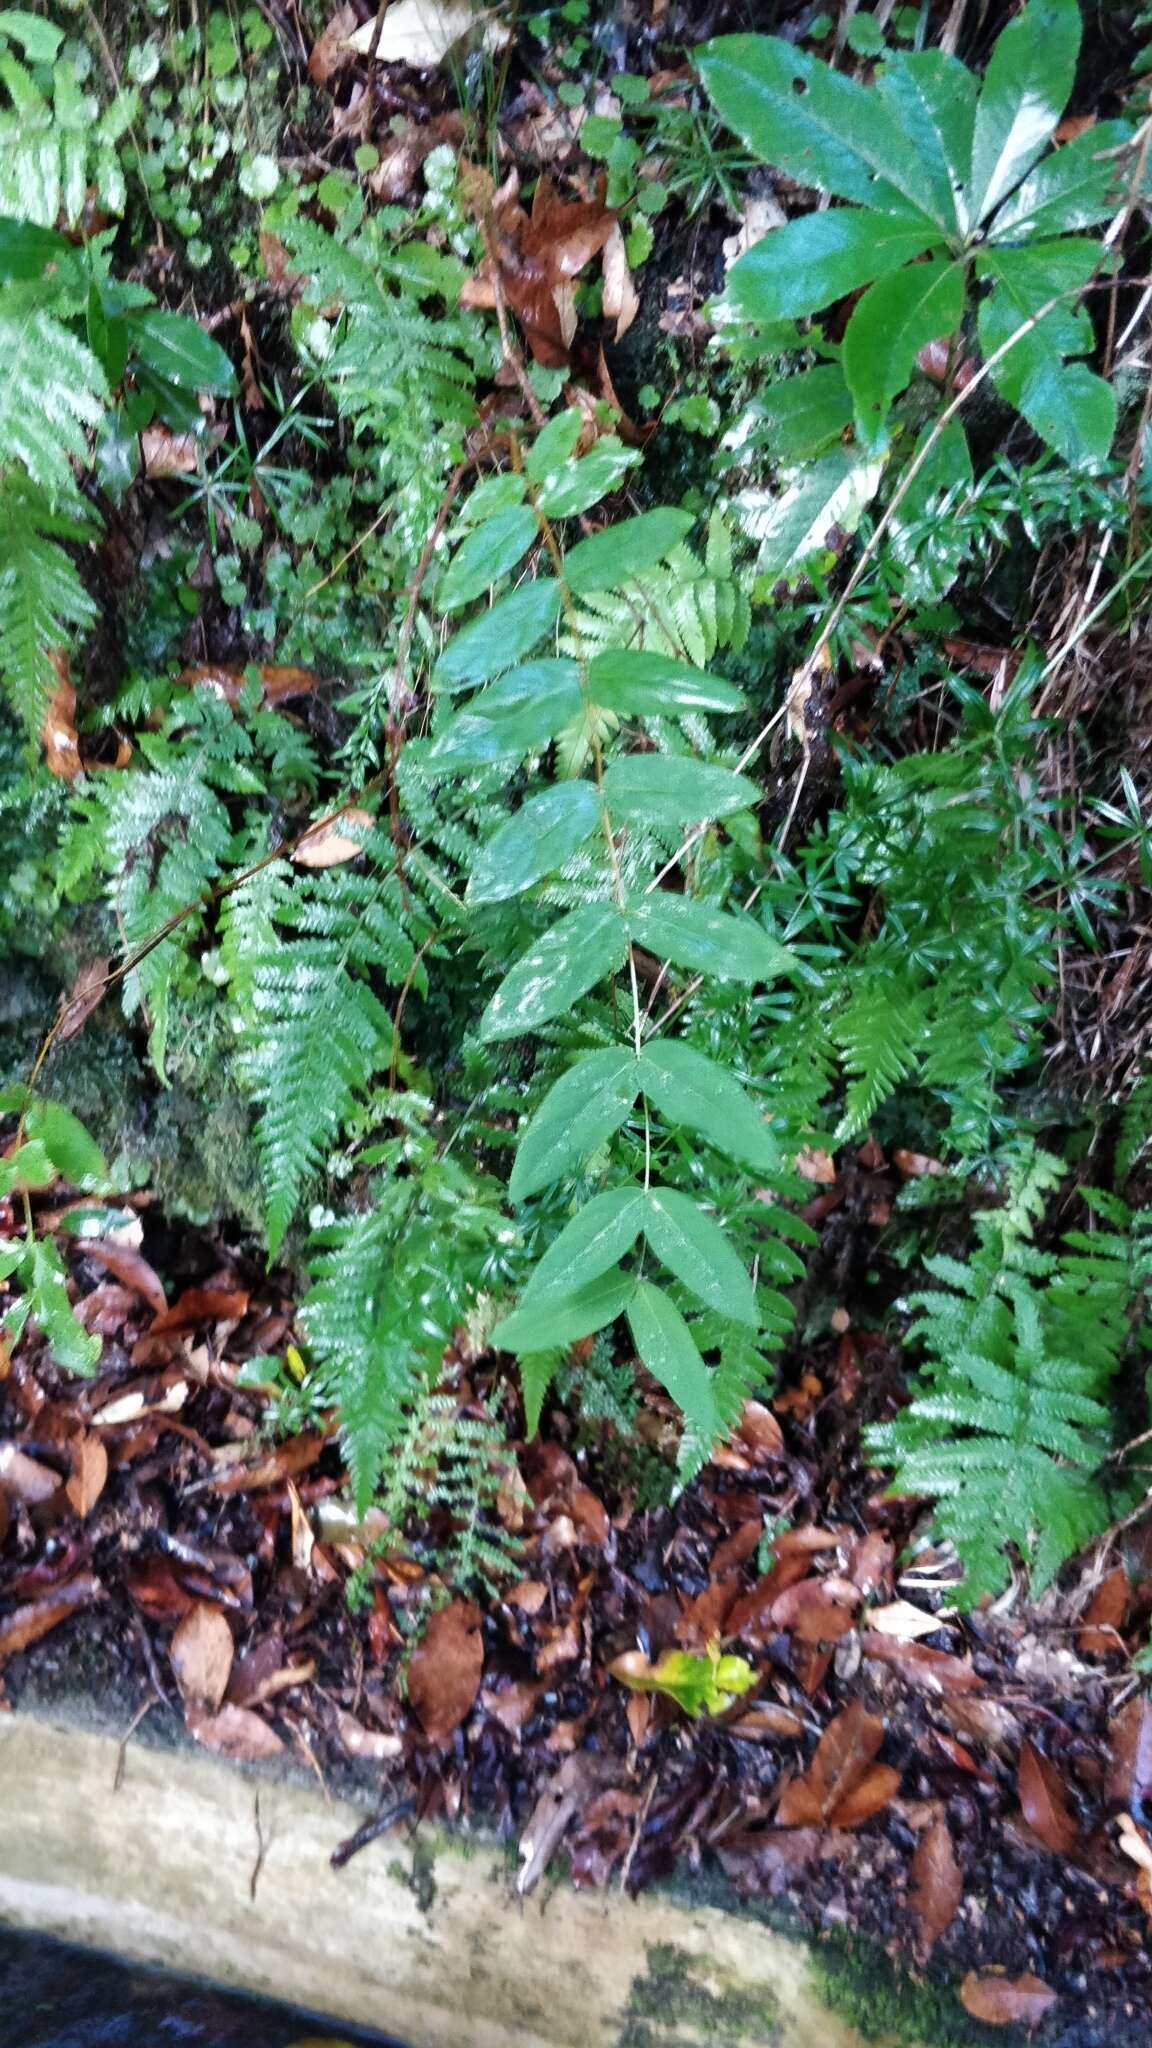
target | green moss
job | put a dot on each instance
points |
(863, 1986)
(671, 2006)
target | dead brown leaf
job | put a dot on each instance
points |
(904, 1621)
(61, 743)
(811, 1613)
(932, 1671)
(535, 258)
(529, 1595)
(842, 1778)
(772, 1858)
(201, 1653)
(165, 453)
(620, 301)
(326, 846)
(130, 1267)
(1129, 1779)
(445, 1670)
(86, 993)
(1044, 1802)
(198, 1305)
(25, 1479)
(767, 1722)
(278, 683)
(369, 1744)
(937, 1886)
(330, 52)
(89, 1474)
(1006, 2001)
(26, 1625)
(235, 1732)
(1104, 1616)
(295, 1455)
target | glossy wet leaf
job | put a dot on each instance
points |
(668, 1349)
(1025, 90)
(625, 549)
(580, 1111)
(500, 638)
(706, 941)
(1075, 187)
(697, 1252)
(557, 969)
(564, 1319)
(705, 1684)
(889, 326)
(596, 1238)
(692, 1090)
(536, 841)
(818, 258)
(803, 415)
(488, 553)
(176, 349)
(638, 684)
(934, 96)
(669, 791)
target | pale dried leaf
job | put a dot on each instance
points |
(904, 1621)
(234, 1732)
(201, 1655)
(326, 846)
(89, 1474)
(621, 301)
(1006, 2001)
(424, 32)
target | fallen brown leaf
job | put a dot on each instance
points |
(809, 1612)
(841, 1767)
(535, 258)
(937, 1886)
(424, 32)
(1130, 1771)
(371, 1745)
(273, 1467)
(202, 1305)
(330, 52)
(25, 1479)
(620, 301)
(26, 1625)
(445, 1670)
(904, 1621)
(234, 1732)
(61, 743)
(130, 1267)
(1044, 1802)
(201, 1654)
(165, 453)
(1006, 2001)
(86, 993)
(1104, 1616)
(326, 846)
(772, 1858)
(89, 1474)
(932, 1671)
(529, 1595)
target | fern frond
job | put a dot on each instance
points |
(879, 1031)
(54, 151)
(52, 392)
(42, 599)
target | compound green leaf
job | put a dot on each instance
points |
(696, 1092)
(176, 349)
(606, 560)
(704, 940)
(543, 834)
(934, 96)
(566, 1319)
(72, 1150)
(579, 1112)
(1080, 184)
(576, 485)
(894, 320)
(1025, 91)
(803, 415)
(669, 791)
(798, 114)
(696, 1250)
(487, 553)
(665, 1343)
(636, 684)
(809, 263)
(596, 1238)
(537, 1372)
(500, 638)
(556, 970)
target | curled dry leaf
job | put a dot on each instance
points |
(24, 1479)
(445, 1670)
(26, 1625)
(89, 1474)
(370, 1745)
(813, 1614)
(130, 1267)
(424, 32)
(535, 258)
(529, 1595)
(842, 1785)
(621, 301)
(1129, 1779)
(1104, 1616)
(1044, 1802)
(202, 1305)
(167, 454)
(327, 846)
(1006, 2001)
(331, 52)
(904, 1621)
(201, 1654)
(86, 993)
(937, 1886)
(931, 1671)
(234, 1732)
(61, 743)
(278, 684)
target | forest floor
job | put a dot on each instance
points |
(947, 1787)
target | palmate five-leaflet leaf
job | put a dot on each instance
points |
(945, 184)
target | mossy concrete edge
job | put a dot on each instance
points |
(178, 1859)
